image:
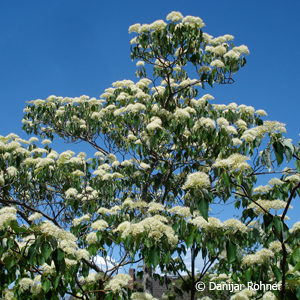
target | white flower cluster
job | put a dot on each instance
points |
(83, 218)
(275, 181)
(155, 123)
(99, 225)
(244, 294)
(7, 214)
(142, 296)
(112, 211)
(235, 161)
(267, 205)
(261, 189)
(275, 246)
(35, 216)
(293, 178)
(117, 283)
(155, 227)
(270, 127)
(259, 257)
(269, 296)
(295, 228)
(204, 122)
(236, 225)
(155, 207)
(184, 113)
(211, 224)
(34, 285)
(181, 211)
(66, 240)
(197, 180)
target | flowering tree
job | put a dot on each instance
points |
(165, 156)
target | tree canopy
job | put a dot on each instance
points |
(166, 158)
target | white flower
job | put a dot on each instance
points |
(181, 113)
(261, 112)
(83, 218)
(236, 224)
(25, 284)
(174, 16)
(269, 296)
(235, 161)
(197, 179)
(35, 216)
(275, 181)
(296, 227)
(71, 192)
(142, 296)
(46, 142)
(154, 124)
(267, 205)
(118, 282)
(242, 49)
(232, 54)
(12, 171)
(259, 257)
(99, 225)
(134, 28)
(140, 63)
(293, 178)
(158, 25)
(219, 50)
(179, 210)
(193, 21)
(217, 63)
(236, 141)
(155, 207)
(91, 238)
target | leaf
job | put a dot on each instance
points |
(298, 293)
(203, 207)
(279, 150)
(277, 272)
(231, 251)
(9, 261)
(296, 255)
(46, 285)
(46, 250)
(154, 256)
(277, 224)
(266, 158)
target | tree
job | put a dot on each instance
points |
(165, 159)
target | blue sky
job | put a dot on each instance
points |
(72, 47)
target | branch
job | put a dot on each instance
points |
(289, 201)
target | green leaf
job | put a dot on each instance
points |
(46, 250)
(203, 207)
(298, 293)
(277, 224)
(9, 261)
(277, 272)
(279, 150)
(266, 158)
(296, 255)
(154, 256)
(231, 251)
(46, 285)
(56, 282)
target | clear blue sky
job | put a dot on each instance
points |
(72, 47)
